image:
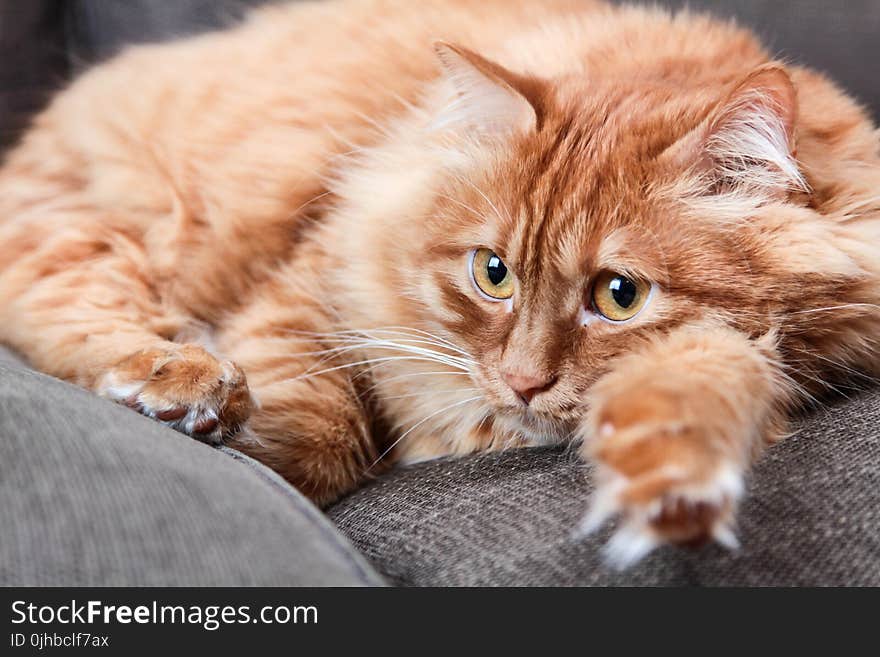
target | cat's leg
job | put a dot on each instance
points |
(311, 425)
(78, 299)
(672, 431)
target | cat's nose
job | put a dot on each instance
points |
(526, 386)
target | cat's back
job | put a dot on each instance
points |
(324, 74)
(249, 120)
(230, 107)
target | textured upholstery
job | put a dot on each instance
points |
(812, 517)
(95, 495)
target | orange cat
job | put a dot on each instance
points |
(610, 225)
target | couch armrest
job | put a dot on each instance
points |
(94, 494)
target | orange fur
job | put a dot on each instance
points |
(304, 190)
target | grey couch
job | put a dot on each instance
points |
(93, 494)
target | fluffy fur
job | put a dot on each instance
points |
(305, 189)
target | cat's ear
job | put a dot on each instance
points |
(484, 98)
(748, 141)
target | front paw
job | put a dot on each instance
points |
(668, 477)
(185, 388)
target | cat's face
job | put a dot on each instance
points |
(547, 265)
(585, 229)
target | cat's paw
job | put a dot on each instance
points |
(666, 480)
(185, 388)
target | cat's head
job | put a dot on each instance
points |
(538, 230)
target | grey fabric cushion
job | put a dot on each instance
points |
(10, 358)
(812, 517)
(95, 495)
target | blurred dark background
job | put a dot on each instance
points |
(43, 43)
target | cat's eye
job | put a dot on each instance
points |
(619, 298)
(490, 275)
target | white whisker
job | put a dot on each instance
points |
(354, 335)
(421, 393)
(420, 423)
(410, 374)
(485, 198)
(841, 307)
(308, 374)
(461, 204)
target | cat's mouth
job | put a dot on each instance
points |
(540, 428)
(540, 424)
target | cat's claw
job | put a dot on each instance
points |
(199, 422)
(186, 389)
(682, 512)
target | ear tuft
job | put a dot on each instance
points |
(751, 138)
(748, 142)
(483, 96)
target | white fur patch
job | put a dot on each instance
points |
(111, 388)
